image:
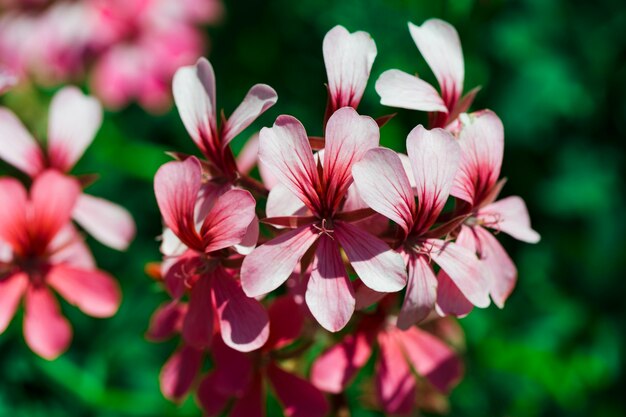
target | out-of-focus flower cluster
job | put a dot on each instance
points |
(127, 50)
(378, 250)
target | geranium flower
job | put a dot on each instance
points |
(321, 187)
(73, 122)
(440, 46)
(384, 185)
(219, 224)
(41, 250)
(7, 80)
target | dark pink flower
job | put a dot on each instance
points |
(384, 185)
(321, 187)
(73, 122)
(440, 46)
(207, 234)
(41, 250)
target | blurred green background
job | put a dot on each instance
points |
(555, 72)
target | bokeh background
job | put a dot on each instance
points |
(555, 72)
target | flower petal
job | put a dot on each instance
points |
(348, 58)
(72, 125)
(270, 264)
(286, 322)
(260, 98)
(379, 267)
(440, 46)
(252, 403)
(211, 399)
(233, 370)
(110, 223)
(329, 294)
(46, 331)
(298, 397)
(250, 239)
(198, 324)
(421, 293)
(286, 151)
(510, 216)
(395, 384)
(244, 324)
(166, 321)
(17, 146)
(398, 89)
(434, 156)
(179, 372)
(228, 221)
(13, 221)
(282, 202)
(12, 288)
(383, 185)
(501, 268)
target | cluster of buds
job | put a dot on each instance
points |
(40, 246)
(375, 248)
(128, 50)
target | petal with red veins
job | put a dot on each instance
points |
(46, 331)
(198, 324)
(12, 288)
(17, 146)
(329, 294)
(179, 372)
(72, 125)
(421, 292)
(298, 397)
(395, 384)
(379, 267)
(398, 89)
(500, 266)
(510, 216)
(270, 264)
(282, 202)
(259, 98)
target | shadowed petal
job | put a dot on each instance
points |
(510, 216)
(395, 384)
(286, 322)
(421, 292)
(502, 269)
(260, 98)
(17, 146)
(211, 399)
(233, 370)
(252, 403)
(166, 321)
(398, 89)
(198, 324)
(298, 396)
(110, 223)
(12, 289)
(179, 372)
(46, 331)
(227, 222)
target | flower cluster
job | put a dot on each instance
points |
(373, 245)
(129, 49)
(40, 247)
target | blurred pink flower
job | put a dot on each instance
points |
(73, 122)
(41, 250)
(7, 80)
(321, 187)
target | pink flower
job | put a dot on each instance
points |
(401, 355)
(73, 122)
(481, 139)
(194, 94)
(349, 58)
(240, 377)
(41, 250)
(202, 268)
(439, 44)
(7, 80)
(384, 185)
(321, 188)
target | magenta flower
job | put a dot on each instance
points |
(440, 46)
(238, 378)
(482, 146)
(321, 187)
(202, 269)
(401, 355)
(41, 250)
(384, 185)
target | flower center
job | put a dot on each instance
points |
(326, 228)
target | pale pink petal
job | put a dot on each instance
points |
(335, 368)
(250, 239)
(228, 221)
(171, 244)
(434, 156)
(7, 80)
(249, 155)
(440, 46)
(166, 321)
(501, 268)
(110, 223)
(252, 403)
(286, 151)
(211, 399)
(176, 186)
(431, 358)
(12, 289)
(395, 384)
(260, 98)
(329, 294)
(13, 221)
(348, 58)
(286, 322)
(69, 247)
(379, 267)
(244, 324)
(72, 125)
(95, 292)
(270, 264)
(17, 146)
(482, 148)
(510, 216)
(298, 397)
(194, 95)
(348, 137)
(198, 324)
(421, 292)
(382, 184)
(463, 268)
(398, 89)
(282, 202)
(179, 372)
(46, 331)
